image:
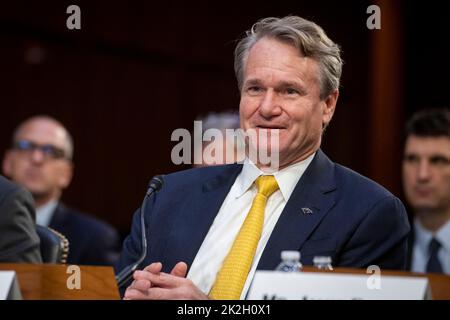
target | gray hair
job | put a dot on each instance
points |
(306, 36)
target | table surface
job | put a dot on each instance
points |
(48, 281)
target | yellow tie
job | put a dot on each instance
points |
(232, 276)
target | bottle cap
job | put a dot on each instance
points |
(290, 255)
(322, 260)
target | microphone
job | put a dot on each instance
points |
(126, 273)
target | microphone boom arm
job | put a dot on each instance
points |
(126, 274)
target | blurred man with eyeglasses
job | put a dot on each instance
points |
(40, 160)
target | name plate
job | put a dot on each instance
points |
(275, 285)
(9, 286)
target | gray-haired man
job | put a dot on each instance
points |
(211, 228)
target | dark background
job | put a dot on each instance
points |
(137, 70)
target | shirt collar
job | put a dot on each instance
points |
(423, 236)
(45, 213)
(287, 178)
(443, 236)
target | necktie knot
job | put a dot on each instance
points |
(266, 185)
(434, 245)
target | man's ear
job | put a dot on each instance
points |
(66, 174)
(329, 105)
(7, 164)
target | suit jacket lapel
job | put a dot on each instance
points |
(57, 220)
(314, 192)
(190, 228)
(411, 239)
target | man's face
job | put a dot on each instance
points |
(426, 173)
(281, 91)
(41, 174)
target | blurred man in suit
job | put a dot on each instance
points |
(19, 241)
(41, 161)
(210, 229)
(426, 181)
(220, 121)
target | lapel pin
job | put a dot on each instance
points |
(307, 210)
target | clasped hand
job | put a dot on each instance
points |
(152, 284)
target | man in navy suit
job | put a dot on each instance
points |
(41, 161)
(288, 74)
(426, 181)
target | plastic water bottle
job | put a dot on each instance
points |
(290, 262)
(322, 263)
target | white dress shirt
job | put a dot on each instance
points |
(231, 216)
(422, 238)
(44, 214)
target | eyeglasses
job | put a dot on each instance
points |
(49, 151)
